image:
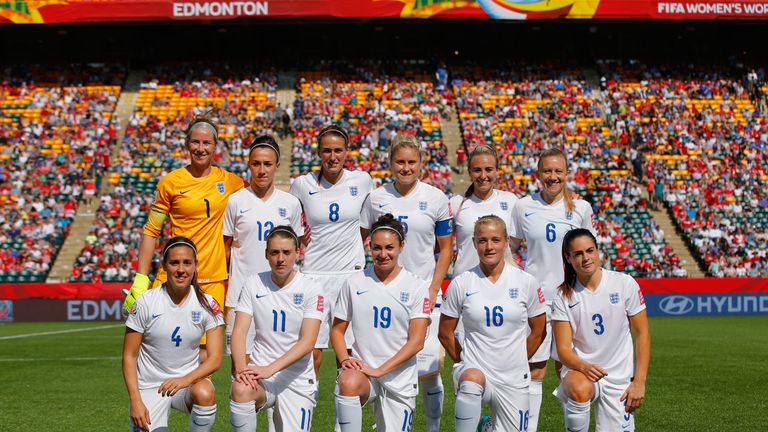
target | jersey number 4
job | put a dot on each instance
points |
(176, 337)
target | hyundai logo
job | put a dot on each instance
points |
(676, 305)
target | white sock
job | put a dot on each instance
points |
(432, 394)
(202, 418)
(349, 413)
(576, 416)
(242, 416)
(271, 419)
(469, 402)
(534, 405)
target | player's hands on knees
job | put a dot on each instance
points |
(352, 364)
(633, 396)
(246, 377)
(593, 372)
(140, 415)
(171, 386)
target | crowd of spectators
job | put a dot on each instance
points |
(56, 134)
(705, 140)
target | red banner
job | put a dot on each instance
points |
(704, 286)
(73, 11)
(73, 290)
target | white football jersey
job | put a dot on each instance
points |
(248, 220)
(425, 215)
(495, 318)
(500, 203)
(333, 215)
(277, 316)
(601, 331)
(543, 226)
(379, 316)
(170, 346)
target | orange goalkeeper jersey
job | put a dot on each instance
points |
(195, 207)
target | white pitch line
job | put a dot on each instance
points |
(76, 330)
(42, 359)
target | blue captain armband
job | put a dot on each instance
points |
(444, 227)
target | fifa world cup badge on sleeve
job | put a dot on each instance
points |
(541, 295)
(215, 308)
(320, 307)
(427, 306)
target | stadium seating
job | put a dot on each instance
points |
(56, 135)
(705, 148)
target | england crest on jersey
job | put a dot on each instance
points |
(614, 296)
(221, 188)
(513, 293)
(423, 205)
(197, 317)
(504, 205)
(283, 212)
(404, 297)
(298, 299)
(569, 215)
(353, 191)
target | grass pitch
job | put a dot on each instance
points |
(706, 373)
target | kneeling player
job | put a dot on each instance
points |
(593, 313)
(161, 354)
(388, 309)
(275, 369)
(497, 302)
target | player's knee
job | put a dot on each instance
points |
(474, 375)
(578, 387)
(241, 392)
(203, 393)
(352, 383)
(538, 370)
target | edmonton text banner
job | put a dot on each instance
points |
(73, 11)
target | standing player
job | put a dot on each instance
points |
(424, 213)
(593, 313)
(480, 199)
(388, 307)
(194, 199)
(542, 219)
(497, 303)
(332, 200)
(161, 355)
(251, 215)
(275, 369)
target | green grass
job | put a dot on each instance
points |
(706, 374)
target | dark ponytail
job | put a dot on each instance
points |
(569, 284)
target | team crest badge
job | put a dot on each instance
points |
(197, 317)
(298, 299)
(221, 188)
(513, 292)
(353, 191)
(404, 296)
(422, 205)
(504, 205)
(283, 212)
(569, 215)
(614, 296)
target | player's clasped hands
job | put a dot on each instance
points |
(633, 396)
(593, 372)
(353, 364)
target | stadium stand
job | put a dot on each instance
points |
(56, 134)
(706, 142)
(153, 145)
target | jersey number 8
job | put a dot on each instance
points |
(334, 212)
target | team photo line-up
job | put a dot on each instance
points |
(389, 324)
